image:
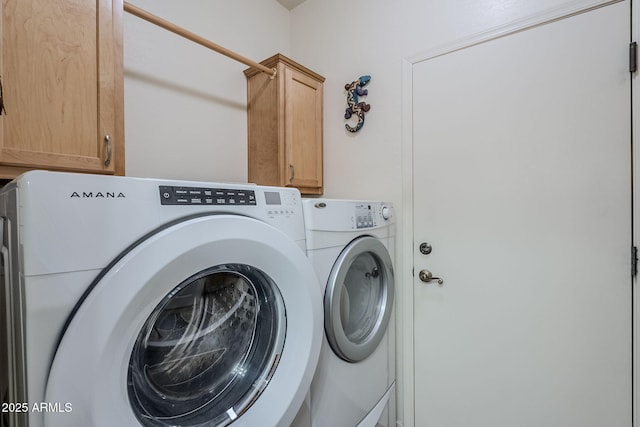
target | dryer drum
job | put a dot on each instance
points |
(208, 349)
(359, 299)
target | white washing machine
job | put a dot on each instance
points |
(351, 246)
(140, 302)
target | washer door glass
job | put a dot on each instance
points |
(359, 299)
(208, 350)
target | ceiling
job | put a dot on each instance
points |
(290, 4)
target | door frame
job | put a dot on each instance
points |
(405, 294)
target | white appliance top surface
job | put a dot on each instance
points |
(71, 222)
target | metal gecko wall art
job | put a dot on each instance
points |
(356, 107)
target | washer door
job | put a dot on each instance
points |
(210, 321)
(359, 299)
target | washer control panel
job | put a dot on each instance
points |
(281, 203)
(171, 195)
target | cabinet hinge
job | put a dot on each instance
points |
(634, 261)
(633, 57)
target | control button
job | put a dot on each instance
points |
(386, 213)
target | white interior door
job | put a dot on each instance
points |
(522, 187)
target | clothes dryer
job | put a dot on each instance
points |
(351, 246)
(141, 302)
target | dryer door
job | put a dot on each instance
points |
(359, 299)
(210, 321)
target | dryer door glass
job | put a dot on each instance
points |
(208, 350)
(359, 299)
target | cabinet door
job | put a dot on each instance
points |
(303, 132)
(58, 78)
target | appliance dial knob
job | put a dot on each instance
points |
(386, 212)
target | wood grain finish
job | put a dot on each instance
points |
(62, 76)
(285, 126)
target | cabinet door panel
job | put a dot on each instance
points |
(58, 84)
(303, 134)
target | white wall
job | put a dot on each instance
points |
(342, 42)
(185, 105)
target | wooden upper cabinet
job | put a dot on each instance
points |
(285, 126)
(62, 81)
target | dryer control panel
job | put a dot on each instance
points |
(346, 215)
(364, 217)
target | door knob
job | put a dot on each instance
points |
(426, 276)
